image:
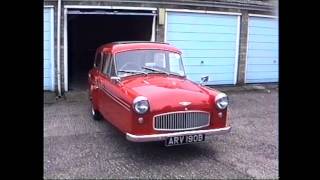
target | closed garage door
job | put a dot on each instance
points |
(209, 43)
(262, 57)
(48, 49)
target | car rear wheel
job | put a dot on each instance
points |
(95, 114)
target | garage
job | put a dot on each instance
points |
(262, 53)
(48, 49)
(87, 29)
(209, 43)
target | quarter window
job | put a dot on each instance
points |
(112, 70)
(97, 61)
(106, 65)
(102, 62)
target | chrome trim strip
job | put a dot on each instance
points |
(219, 96)
(116, 99)
(161, 137)
(139, 98)
(187, 123)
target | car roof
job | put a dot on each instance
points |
(120, 46)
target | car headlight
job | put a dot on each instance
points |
(141, 104)
(221, 101)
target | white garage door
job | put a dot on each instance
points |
(209, 43)
(262, 56)
(48, 49)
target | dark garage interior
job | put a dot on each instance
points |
(86, 32)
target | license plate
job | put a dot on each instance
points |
(187, 139)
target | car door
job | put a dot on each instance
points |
(94, 81)
(114, 107)
(105, 95)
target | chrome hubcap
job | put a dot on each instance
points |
(92, 111)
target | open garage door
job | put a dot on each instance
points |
(88, 29)
(209, 43)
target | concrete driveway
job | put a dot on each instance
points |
(75, 146)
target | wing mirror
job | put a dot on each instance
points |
(115, 79)
(204, 79)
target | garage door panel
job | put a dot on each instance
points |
(208, 53)
(205, 45)
(262, 56)
(214, 78)
(263, 53)
(47, 54)
(46, 27)
(263, 46)
(208, 43)
(46, 36)
(174, 36)
(263, 68)
(201, 28)
(47, 65)
(263, 31)
(210, 68)
(266, 80)
(46, 18)
(47, 83)
(46, 15)
(263, 61)
(208, 61)
(186, 18)
(266, 28)
(47, 72)
(267, 23)
(271, 74)
(264, 38)
(46, 44)
(48, 79)
(266, 76)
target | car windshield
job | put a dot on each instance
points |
(148, 61)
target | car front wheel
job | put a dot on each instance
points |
(95, 114)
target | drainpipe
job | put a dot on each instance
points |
(58, 48)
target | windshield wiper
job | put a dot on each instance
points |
(156, 70)
(161, 71)
(175, 74)
(132, 71)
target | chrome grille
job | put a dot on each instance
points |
(183, 120)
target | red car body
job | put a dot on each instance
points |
(171, 95)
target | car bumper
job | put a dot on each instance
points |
(161, 137)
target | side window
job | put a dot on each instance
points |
(102, 62)
(97, 60)
(106, 65)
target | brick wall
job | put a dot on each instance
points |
(242, 47)
(244, 7)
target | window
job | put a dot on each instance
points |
(106, 65)
(112, 70)
(102, 62)
(160, 60)
(149, 61)
(175, 64)
(97, 60)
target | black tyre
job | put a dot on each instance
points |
(95, 114)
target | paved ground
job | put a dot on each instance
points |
(75, 146)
